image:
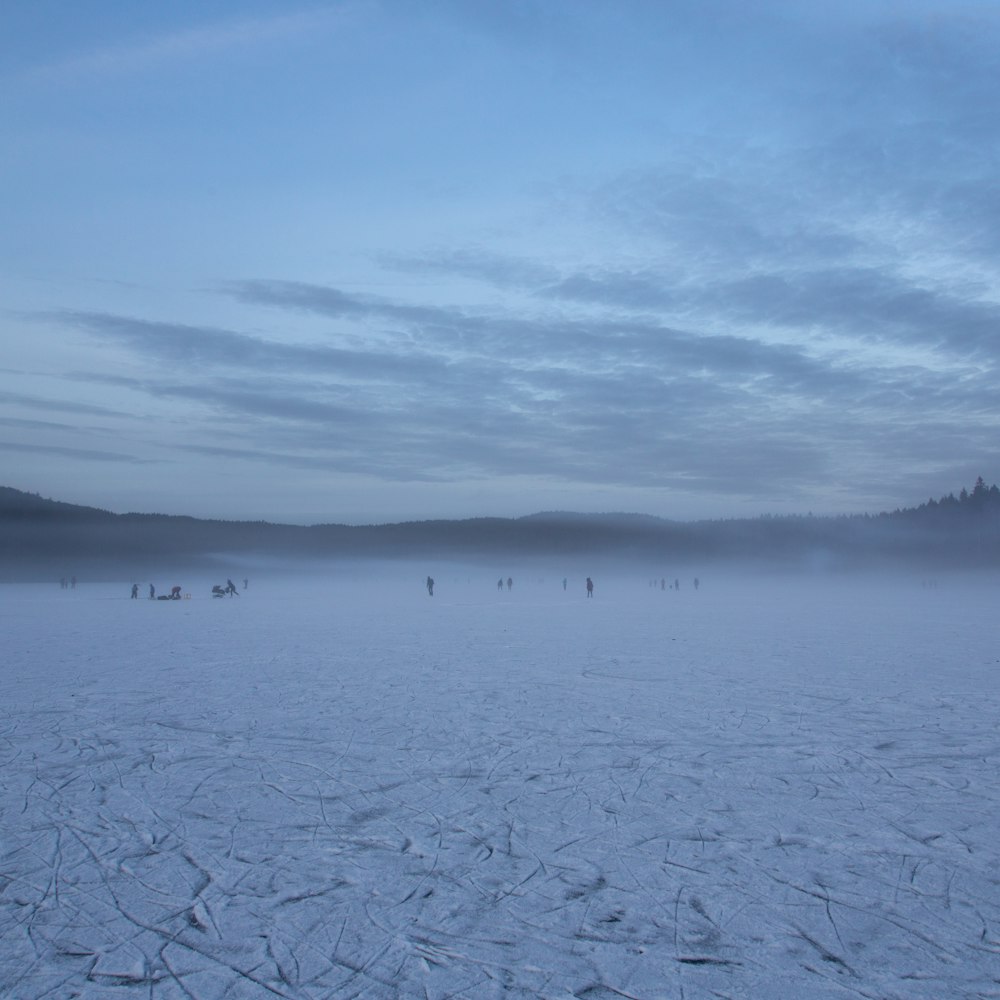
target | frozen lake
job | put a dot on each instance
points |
(339, 787)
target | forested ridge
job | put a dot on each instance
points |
(40, 534)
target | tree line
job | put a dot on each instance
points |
(40, 536)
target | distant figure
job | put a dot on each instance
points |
(696, 584)
(564, 583)
(663, 583)
(135, 591)
(175, 593)
(590, 587)
(430, 586)
(231, 588)
(246, 583)
(152, 592)
(500, 584)
(677, 584)
(510, 583)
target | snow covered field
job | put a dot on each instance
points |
(337, 786)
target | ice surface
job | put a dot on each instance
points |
(337, 786)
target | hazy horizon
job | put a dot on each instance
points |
(361, 521)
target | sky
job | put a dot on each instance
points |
(373, 260)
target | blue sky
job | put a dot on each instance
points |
(371, 261)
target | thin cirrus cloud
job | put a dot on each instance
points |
(618, 397)
(152, 48)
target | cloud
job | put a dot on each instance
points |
(55, 405)
(499, 270)
(455, 395)
(142, 53)
(84, 454)
(200, 346)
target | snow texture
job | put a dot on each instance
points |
(340, 787)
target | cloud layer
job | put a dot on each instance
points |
(755, 271)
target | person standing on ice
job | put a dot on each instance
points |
(152, 592)
(135, 591)
(430, 586)
(590, 587)
(510, 583)
(500, 584)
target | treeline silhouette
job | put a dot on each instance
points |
(40, 537)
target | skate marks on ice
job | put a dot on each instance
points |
(527, 801)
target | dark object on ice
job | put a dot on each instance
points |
(152, 592)
(231, 589)
(218, 591)
(500, 584)
(430, 585)
(696, 583)
(590, 587)
(135, 591)
(510, 583)
(174, 595)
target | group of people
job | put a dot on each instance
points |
(676, 585)
(175, 592)
(509, 584)
(174, 595)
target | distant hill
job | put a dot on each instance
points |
(40, 537)
(17, 505)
